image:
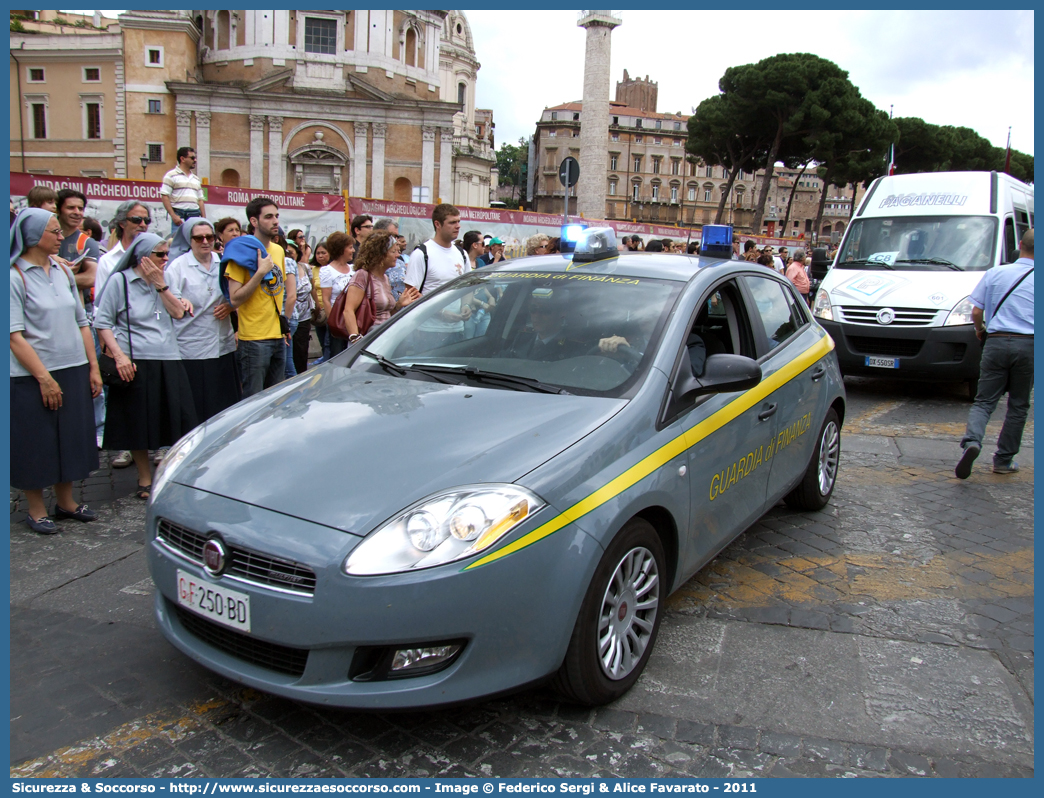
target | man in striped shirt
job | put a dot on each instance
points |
(181, 192)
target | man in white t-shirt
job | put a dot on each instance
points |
(432, 264)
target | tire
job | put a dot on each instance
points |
(616, 630)
(973, 388)
(817, 485)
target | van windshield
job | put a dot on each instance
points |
(908, 243)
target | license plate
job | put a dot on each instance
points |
(883, 362)
(216, 602)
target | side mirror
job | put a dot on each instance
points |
(721, 374)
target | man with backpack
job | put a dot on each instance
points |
(433, 263)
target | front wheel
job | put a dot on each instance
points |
(619, 619)
(816, 486)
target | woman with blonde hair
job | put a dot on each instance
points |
(369, 283)
(537, 244)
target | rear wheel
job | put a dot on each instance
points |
(815, 488)
(619, 619)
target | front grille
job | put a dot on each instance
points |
(258, 568)
(904, 317)
(889, 347)
(274, 657)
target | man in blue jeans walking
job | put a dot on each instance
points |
(1003, 303)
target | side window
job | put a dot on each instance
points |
(773, 308)
(1010, 253)
(722, 325)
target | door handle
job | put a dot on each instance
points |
(818, 373)
(768, 413)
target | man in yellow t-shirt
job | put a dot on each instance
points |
(258, 298)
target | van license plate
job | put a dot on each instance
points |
(218, 603)
(883, 362)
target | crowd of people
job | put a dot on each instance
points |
(126, 343)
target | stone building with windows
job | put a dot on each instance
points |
(376, 103)
(651, 179)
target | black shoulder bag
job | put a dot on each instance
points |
(985, 334)
(107, 363)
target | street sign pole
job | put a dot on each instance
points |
(568, 174)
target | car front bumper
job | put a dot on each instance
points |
(515, 614)
(924, 353)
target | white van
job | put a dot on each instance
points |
(896, 299)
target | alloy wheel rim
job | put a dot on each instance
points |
(829, 452)
(628, 613)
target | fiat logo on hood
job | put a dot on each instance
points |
(885, 316)
(214, 557)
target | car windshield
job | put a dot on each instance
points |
(920, 243)
(549, 332)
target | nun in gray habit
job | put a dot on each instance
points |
(153, 406)
(54, 373)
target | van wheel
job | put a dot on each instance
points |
(973, 388)
(816, 487)
(619, 619)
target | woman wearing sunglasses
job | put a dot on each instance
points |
(205, 337)
(153, 406)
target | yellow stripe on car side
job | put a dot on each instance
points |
(667, 452)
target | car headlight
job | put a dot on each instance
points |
(961, 314)
(175, 457)
(446, 527)
(821, 308)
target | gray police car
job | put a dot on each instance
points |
(500, 486)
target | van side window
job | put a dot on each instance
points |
(1011, 247)
(1022, 223)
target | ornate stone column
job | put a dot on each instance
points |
(203, 143)
(276, 167)
(380, 132)
(183, 121)
(446, 165)
(428, 160)
(359, 167)
(257, 151)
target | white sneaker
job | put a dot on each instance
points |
(121, 460)
(159, 454)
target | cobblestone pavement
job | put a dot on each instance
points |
(889, 635)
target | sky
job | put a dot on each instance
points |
(964, 68)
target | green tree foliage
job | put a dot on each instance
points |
(924, 147)
(513, 164)
(723, 131)
(856, 149)
(799, 96)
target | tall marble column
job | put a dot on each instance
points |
(380, 132)
(446, 165)
(183, 122)
(359, 167)
(257, 151)
(276, 167)
(428, 161)
(203, 143)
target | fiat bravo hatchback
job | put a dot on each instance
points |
(498, 487)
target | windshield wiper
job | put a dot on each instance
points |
(933, 261)
(384, 363)
(395, 368)
(864, 262)
(493, 376)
